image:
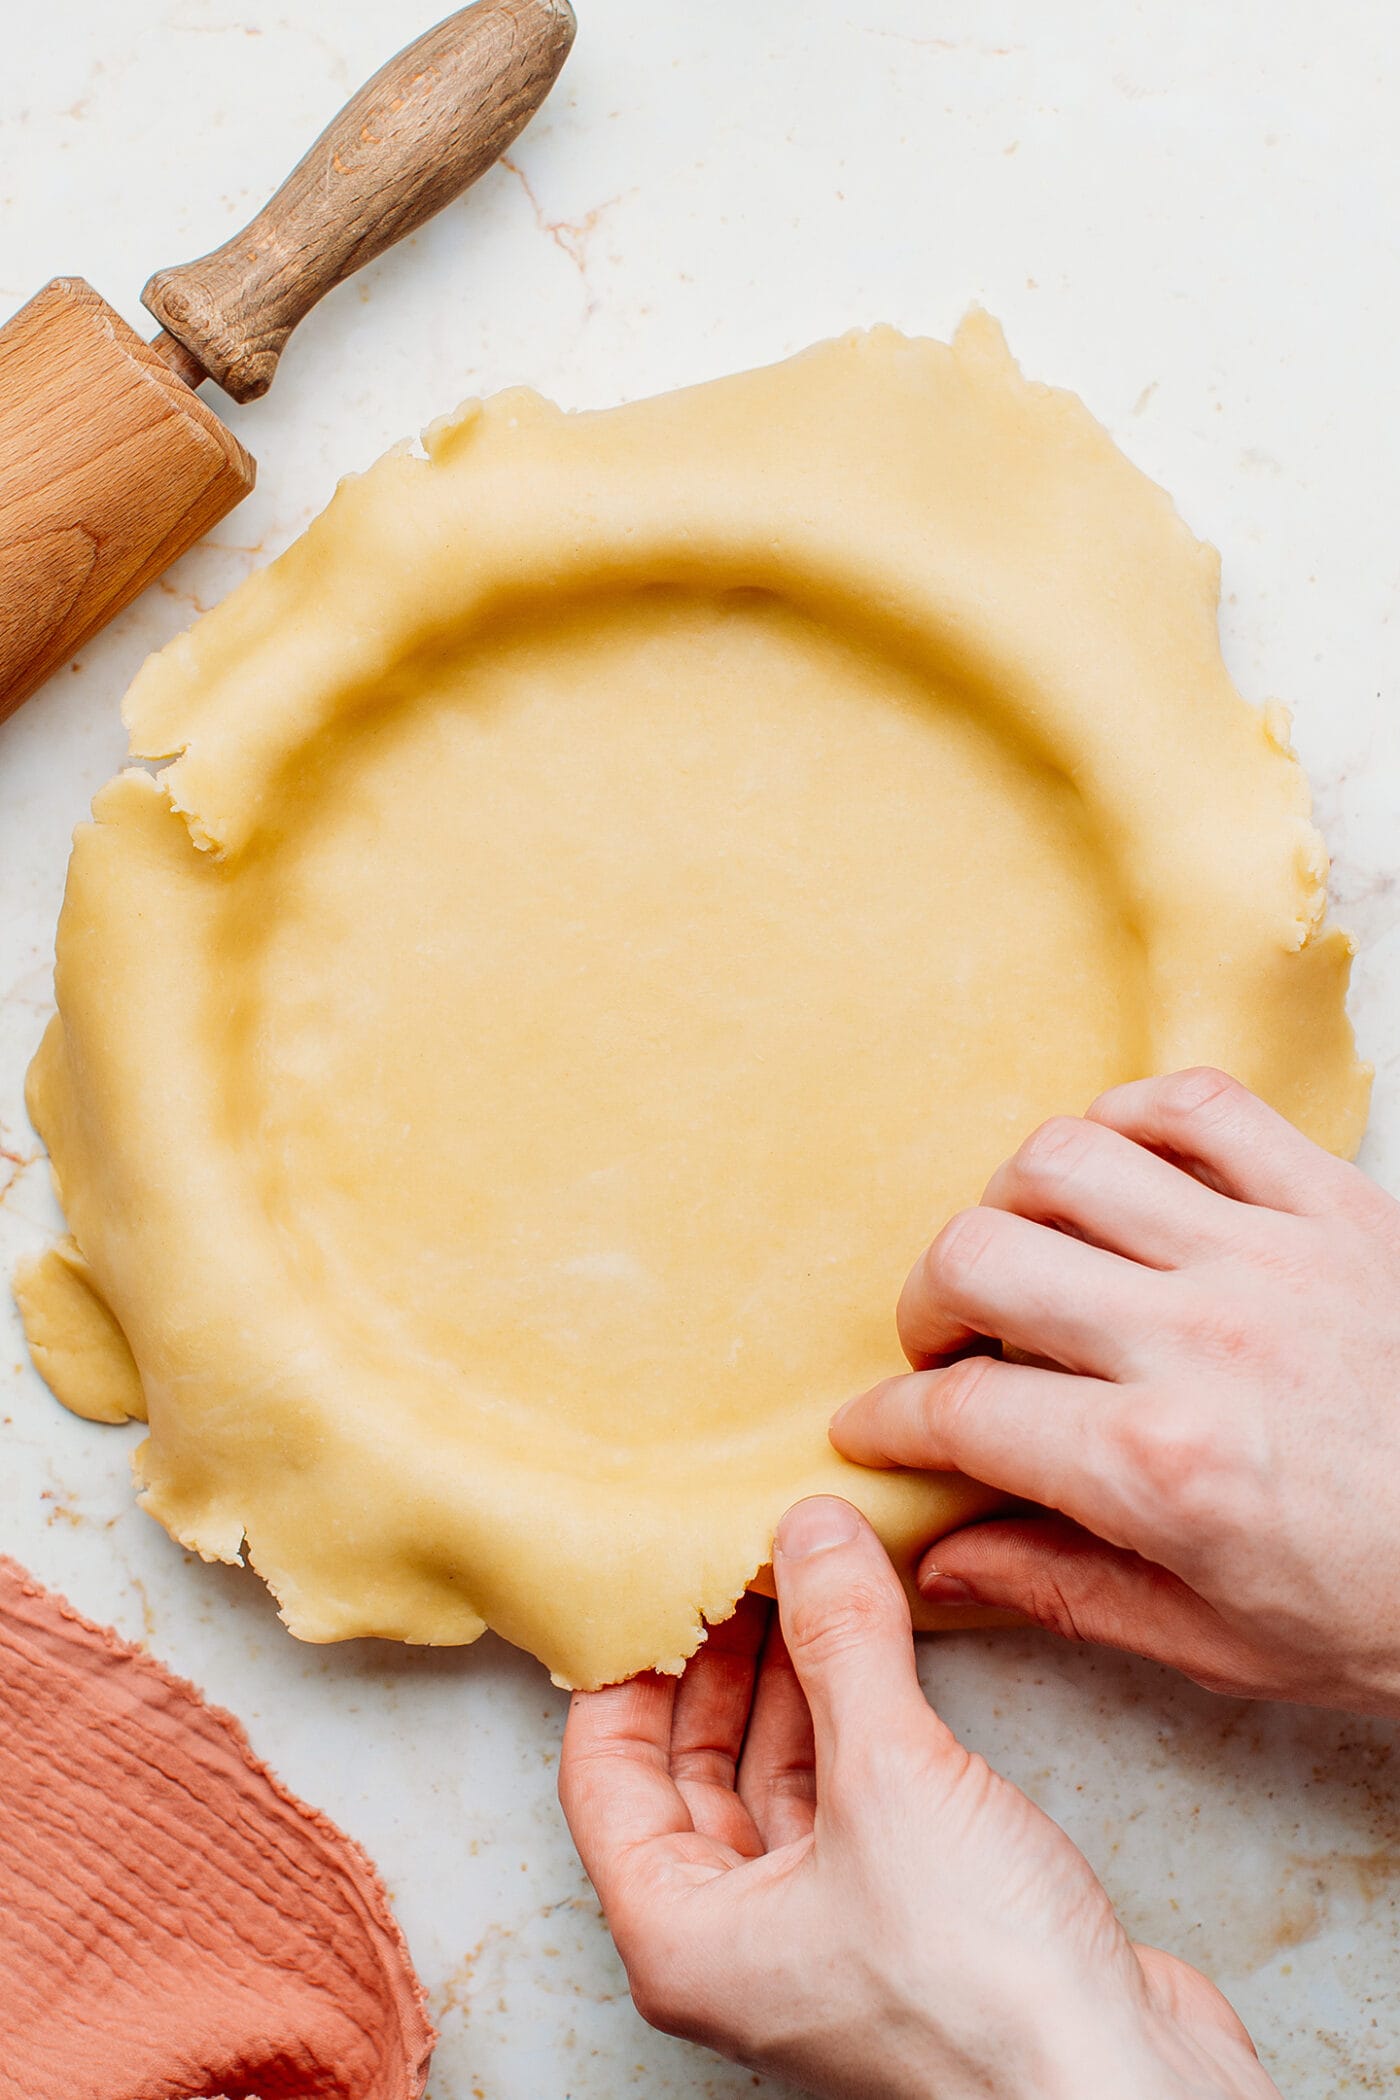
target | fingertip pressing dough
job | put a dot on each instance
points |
(611, 889)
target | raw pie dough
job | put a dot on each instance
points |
(623, 879)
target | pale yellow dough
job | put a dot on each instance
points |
(623, 879)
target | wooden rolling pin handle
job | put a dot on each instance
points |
(428, 123)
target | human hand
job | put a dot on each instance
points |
(1223, 1443)
(804, 1869)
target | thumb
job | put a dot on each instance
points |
(845, 1619)
(1071, 1583)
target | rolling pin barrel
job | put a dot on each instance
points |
(110, 467)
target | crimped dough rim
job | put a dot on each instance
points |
(925, 495)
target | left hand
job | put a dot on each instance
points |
(804, 1869)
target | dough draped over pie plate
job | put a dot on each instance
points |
(611, 889)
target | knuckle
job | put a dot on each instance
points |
(1185, 1097)
(883, 1409)
(1178, 1459)
(961, 1245)
(1160, 1449)
(866, 1768)
(1052, 1605)
(1056, 1150)
(1272, 1248)
(825, 1631)
(1101, 1108)
(1229, 1337)
(951, 1391)
(793, 1780)
(1234, 1317)
(702, 1766)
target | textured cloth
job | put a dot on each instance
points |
(174, 1923)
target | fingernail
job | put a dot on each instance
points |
(936, 1588)
(839, 1417)
(815, 1527)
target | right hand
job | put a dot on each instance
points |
(1222, 1445)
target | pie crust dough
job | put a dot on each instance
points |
(613, 887)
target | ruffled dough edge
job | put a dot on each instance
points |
(181, 711)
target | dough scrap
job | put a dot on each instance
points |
(74, 1339)
(615, 885)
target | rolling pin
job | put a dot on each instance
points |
(110, 464)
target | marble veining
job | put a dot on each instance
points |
(1193, 224)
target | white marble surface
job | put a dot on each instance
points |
(1188, 213)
